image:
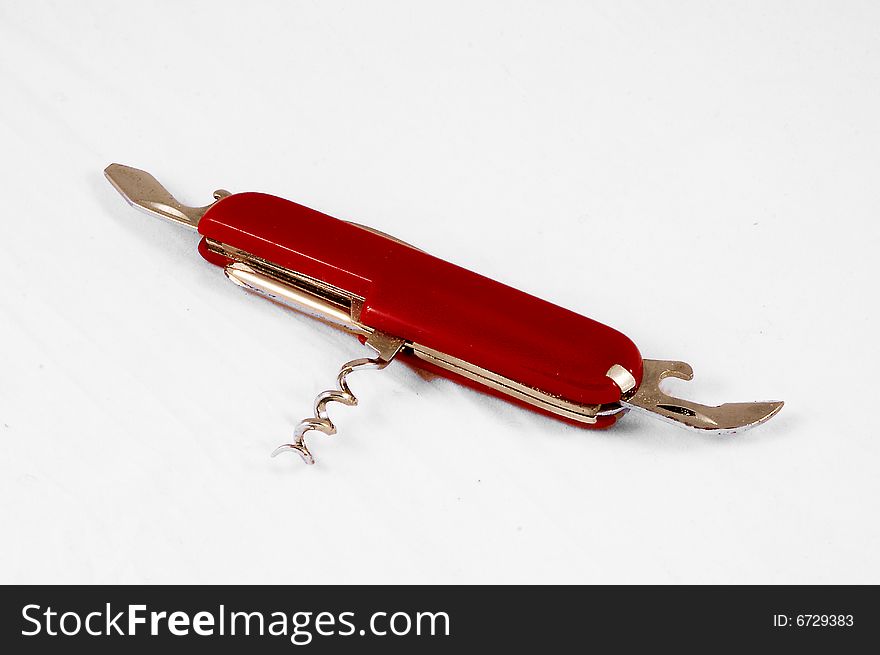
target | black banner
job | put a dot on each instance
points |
(431, 619)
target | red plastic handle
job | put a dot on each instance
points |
(426, 300)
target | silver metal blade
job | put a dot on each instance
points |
(142, 190)
(720, 419)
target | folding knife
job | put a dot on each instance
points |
(404, 303)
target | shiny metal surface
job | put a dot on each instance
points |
(386, 348)
(721, 419)
(622, 378)
(304, 301)
(143, 191)
(286, 286)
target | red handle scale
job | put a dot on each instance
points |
(426, 300)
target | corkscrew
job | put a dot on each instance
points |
(404, 303)
(386, 348)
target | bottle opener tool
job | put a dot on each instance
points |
(403, 302)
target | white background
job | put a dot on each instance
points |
(702, 176)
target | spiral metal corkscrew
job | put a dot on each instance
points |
(386, 348)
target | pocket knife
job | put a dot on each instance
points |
(405, 303)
